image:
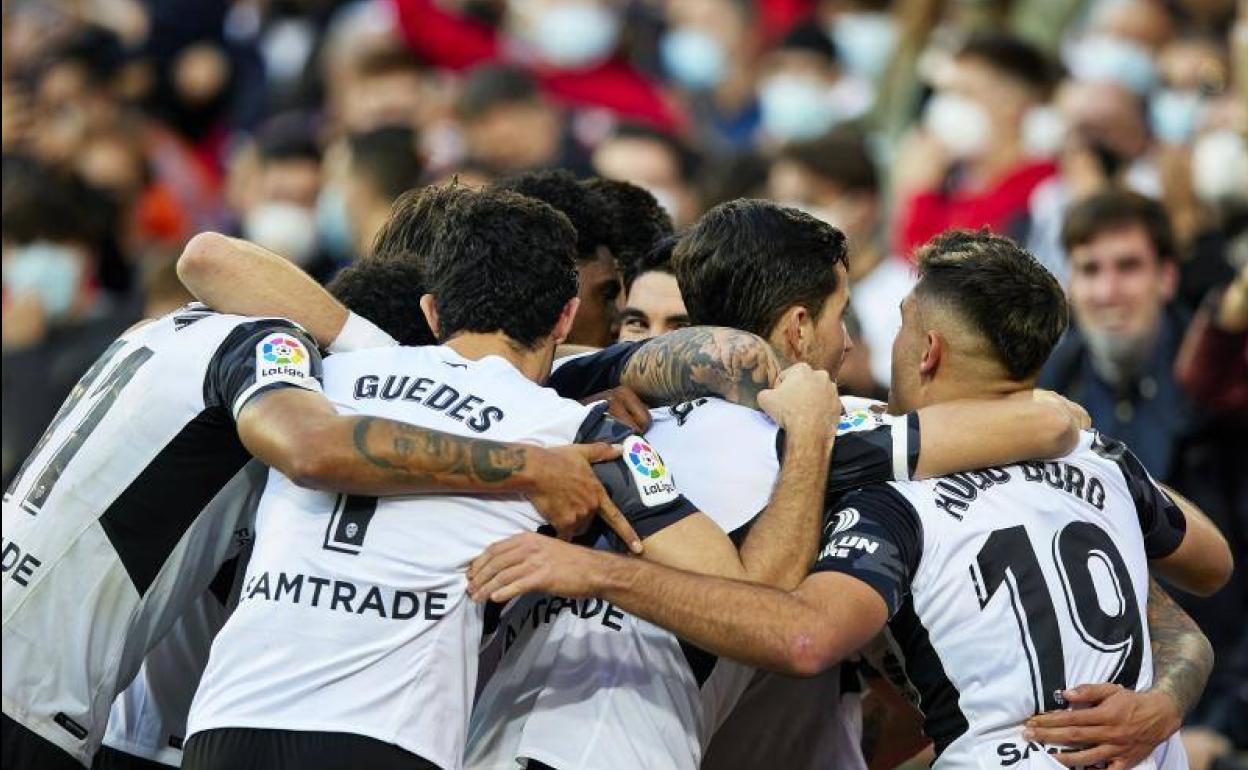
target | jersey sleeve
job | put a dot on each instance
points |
(1161, 519)
(257, 357)
(577, 377)
(639, 483)
(874, 534)
(873, 446)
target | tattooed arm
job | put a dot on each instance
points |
(1123, 726)
(703, 361)
(299, 433)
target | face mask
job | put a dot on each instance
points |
(334, 225)
(1104, 57)
(796, 108)
(1220, 167)
(575, 35)
(959, 123)
(1175, 113)
(695, 59)
(49, 271)
(283, 228)
(1043, 131)
(864, 42)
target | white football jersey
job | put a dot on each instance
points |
(1007, 585)
(128, 506)
(353, 616)
(581, 684)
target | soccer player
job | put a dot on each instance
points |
(997, 588)
(354, 638)
(127, 507)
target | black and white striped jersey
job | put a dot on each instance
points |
(127, 507)
(1007, 585)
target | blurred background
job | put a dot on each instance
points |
(1108, 136)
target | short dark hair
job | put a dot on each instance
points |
(41, 203)
(387, 61)
(286, 137)
(586, 208)
(494, 85)
(841, 157)
(1015, 58)
(410, 230)
(810, 37)
(1001, 290)
(638, 222)
(1116, 209)
(387, 158)
(747, 261)
(657, 260)
(501, 262)
(386, 292)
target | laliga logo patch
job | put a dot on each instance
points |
(841, 521)
(654, 483)
(853, 420)
(282, 358)
(277, 349)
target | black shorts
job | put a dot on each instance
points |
(26, 750)
(108, 758)
(238, 748)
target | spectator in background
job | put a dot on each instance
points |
(1212, 365)
(802, 92)
(834, 179)
(510, 127)
(968, 166)
(653, 305)
(163, 292)
(601, 285)
(386, 87)
(656, 161)
(383, 164)
(638, 222)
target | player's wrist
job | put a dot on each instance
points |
(1167, 704)
(611, 574)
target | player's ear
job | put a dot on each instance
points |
(429, 307)
(563, 326)
(789, 333)
(933, 351)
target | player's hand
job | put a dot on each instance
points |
(1078, 415)
(803, 399)
(569, 495)
(1117, 725)
(626, 406)
(532, 562)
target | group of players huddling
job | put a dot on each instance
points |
(370, 528)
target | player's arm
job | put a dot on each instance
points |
(1123, 726)
(235, 276)
(1202, 563)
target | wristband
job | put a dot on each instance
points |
(359, 333)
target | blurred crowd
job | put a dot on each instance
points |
(1108, 136)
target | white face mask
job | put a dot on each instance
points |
(796, 108)
(1043, 131)
(283, 228)
(575, 35)
(695, 59)
(864, 42)
(1105, 57)
(1220, 167)
(1174, 114)
(49, 271)
(959, 123)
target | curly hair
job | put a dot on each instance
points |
(586, 208)
(638, 222)
(386, 292)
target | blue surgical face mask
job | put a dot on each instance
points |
(333, 224)
(575, 35)
(796, 108)
(1174, 114)
(695, 59)
(50, 271)
(1105, 57)
(864, 42)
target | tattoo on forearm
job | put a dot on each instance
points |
(703, 361)
(420, 454)
(1182, 656)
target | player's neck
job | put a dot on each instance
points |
(533, 363)
(961, 386)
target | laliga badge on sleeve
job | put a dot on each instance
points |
(281, 357)
(654, 481)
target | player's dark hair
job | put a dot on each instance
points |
(657, 260)
(586, 208)
(409, 231)
(1015, 58)
(1001, 290)
(638, 222)
(387, 158)
(747, 261)
(840, 157)
(501, 262)
(1115, 210)
(386, 292)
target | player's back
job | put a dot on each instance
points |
(126, 508)
(1030, 578)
